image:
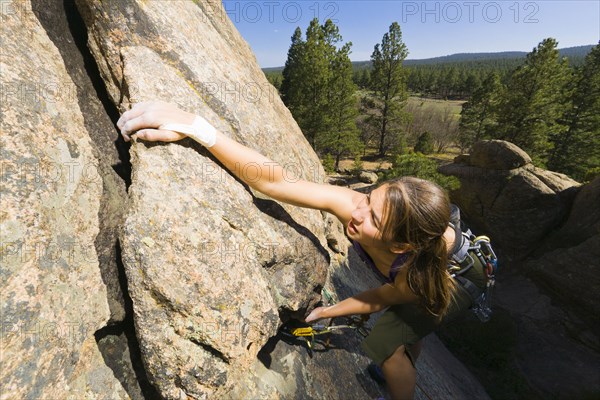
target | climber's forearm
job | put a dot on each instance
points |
(372, 300)
(367, 302)
(253, 168)
(268, 177)
(159, 121)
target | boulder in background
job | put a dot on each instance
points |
(503, 194)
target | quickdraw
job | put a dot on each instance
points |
(355, 322)
(485, 253)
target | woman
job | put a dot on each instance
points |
(401, 229)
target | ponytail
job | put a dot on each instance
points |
(416, 214)
(428, 277)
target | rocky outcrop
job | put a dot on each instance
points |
(211, 267)
(53, 297)
(496, 154)
(567, 261)
(503, 194)
(542, 218)
(536, 214)
(55, 17)
(368, 177)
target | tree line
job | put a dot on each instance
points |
(456, 80)
(444, 80)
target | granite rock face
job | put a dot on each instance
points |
(503, 194)
(55, 17)
(211, 267)
(53, 297)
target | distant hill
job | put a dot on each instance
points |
(570, 52)
(577, 51)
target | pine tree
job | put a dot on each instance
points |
(365, 77)
(340, 134)
(577, 150)
(319, 91)
(388, 81)
(316, 74)
(471, 83)
(534, 102)
(478, 115)
(356, 77)
(291, 85)
(450, 79)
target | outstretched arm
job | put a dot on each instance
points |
(368, 302)
(143, 120)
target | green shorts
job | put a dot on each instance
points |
(406, 324)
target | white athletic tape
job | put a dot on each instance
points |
(200, 130)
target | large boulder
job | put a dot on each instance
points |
(53, 298)
(503, 194)
(211, 266)
(546, 226)
(497, 154)
(567, 261)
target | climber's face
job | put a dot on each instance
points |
(365, 224)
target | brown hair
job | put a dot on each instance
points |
(416, 213)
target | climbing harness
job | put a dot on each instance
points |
(463, 259)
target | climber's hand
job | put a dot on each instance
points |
(315, 315)
(146, 117)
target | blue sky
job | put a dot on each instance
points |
(429, 28)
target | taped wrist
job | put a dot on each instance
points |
(200, 130)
